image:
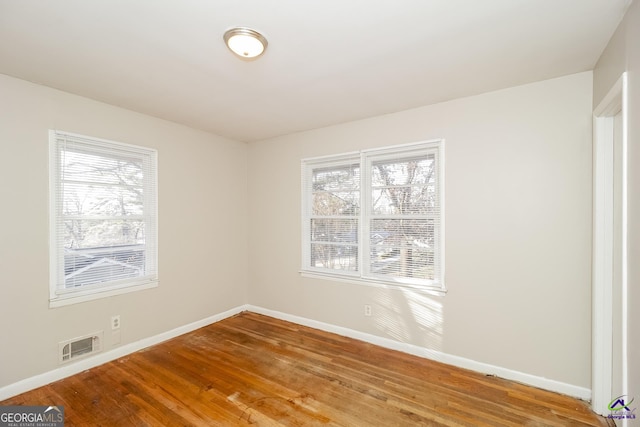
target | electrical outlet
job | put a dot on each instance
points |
(367, 310)
(115, 322)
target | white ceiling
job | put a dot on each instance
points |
(328, 61)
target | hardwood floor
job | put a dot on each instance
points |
(255, 370)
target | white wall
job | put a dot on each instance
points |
(518, 230)
(623, 54)
(202, 216)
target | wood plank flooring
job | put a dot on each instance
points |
(255, 370)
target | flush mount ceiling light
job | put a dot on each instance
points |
(245, 42)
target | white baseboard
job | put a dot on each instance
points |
(485, 368)
(101, 358)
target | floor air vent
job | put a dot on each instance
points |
(79, 347)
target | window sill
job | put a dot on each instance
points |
(423, 289)
(70, 298)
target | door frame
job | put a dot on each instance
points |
(603, 232)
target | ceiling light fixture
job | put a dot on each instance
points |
(245, 42)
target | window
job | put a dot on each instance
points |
(103, 229)
(376, 216)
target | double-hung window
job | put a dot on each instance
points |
(103, 218)
(376, 216)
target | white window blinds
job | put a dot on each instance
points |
(376, 215)
(333, 217)
(103, 214)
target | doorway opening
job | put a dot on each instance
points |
(609, 279)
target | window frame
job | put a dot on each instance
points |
(364, 159)
(59, 295)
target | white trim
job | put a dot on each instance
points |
(441, 240)
(101, 358)
(435, 142)
(624, 243)
(93, 140)
(603, 211)
(602, 265)
(461, 362)
(91, 294)
(54, 171)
